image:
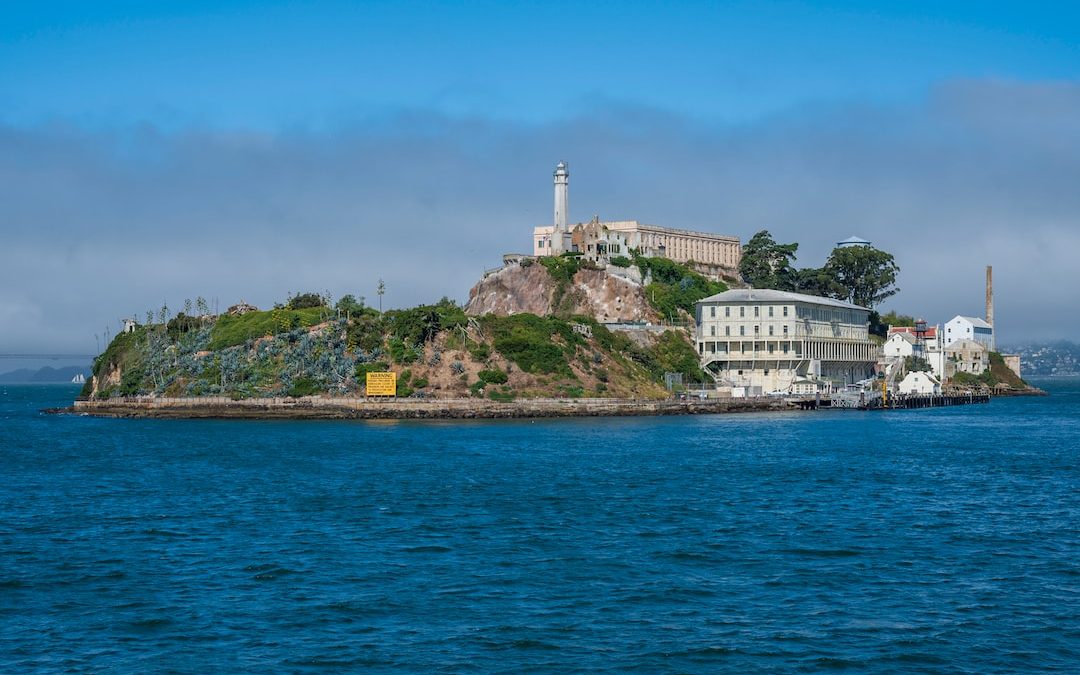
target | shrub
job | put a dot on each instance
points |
(501, 396)
(306, 301)
(480, 353)
(492, 376)
(304, 386)
(420, 383)
(620, 261)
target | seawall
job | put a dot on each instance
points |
(359, 408)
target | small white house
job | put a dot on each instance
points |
(918, 382)
(899, 344)
(969, 328)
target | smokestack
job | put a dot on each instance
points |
(990, 294)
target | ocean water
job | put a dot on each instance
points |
(943, 541)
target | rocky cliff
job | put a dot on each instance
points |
(516, 289)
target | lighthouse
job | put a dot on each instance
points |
(562, 183)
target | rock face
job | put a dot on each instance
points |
(609, 298)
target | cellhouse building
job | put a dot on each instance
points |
(768, 340)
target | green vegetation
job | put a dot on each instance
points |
(493, 377)
(894, 319)
(230, 331)
(529, 341)
(620, 261)
(862, 275)
(306, 301)
(768, 264)
(675, 287)
(562, 269)
(305, 386)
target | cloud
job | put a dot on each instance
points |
(99, 224)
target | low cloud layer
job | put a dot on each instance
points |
(99, 224)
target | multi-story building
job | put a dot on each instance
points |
(767, 340)
(714, 254)
(967, 356)
(969, 328)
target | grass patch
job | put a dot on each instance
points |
(230, 331)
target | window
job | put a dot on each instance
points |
(770, 330)
(712, 311)
(712, 331)
(742, 330)
(727, 311)
(742, 311)
(785, 310)
(770, 311)
(785, 331)
(757, 312)
(757, 330)
(727, 331)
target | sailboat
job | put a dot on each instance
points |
(79, 379)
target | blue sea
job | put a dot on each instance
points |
(943, 540)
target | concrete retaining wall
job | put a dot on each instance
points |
(359, 408)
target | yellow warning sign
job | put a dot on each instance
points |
(381, 384)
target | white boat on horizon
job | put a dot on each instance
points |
(79, 379)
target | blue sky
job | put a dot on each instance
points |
(268, 65)
(151, 152)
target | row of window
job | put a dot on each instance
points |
(742, 311)
(742, 330)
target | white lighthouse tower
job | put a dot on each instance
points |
(562, 183)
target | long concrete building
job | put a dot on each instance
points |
(597, 240)
(768, 340)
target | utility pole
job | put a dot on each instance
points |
(380, 289)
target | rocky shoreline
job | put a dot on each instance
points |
(359, 408)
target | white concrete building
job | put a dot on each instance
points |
(598, 240)
(918, 382)
(768, 340)
(902, 343)
(969, 328)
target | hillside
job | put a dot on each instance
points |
(537, 289)
(436, 349)
(629, 291)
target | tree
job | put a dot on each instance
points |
(350, 306)
(767, 264)
(867, 274)
(819, 281)
(381, 290)
(894, 319)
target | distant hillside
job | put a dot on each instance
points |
(1048, 358)
(46, 375)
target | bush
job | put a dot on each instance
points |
(420, 383)
(306, 301)
(501, 396)
(304, 386)
(480, 353)
(620, 261)
(492, 376)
